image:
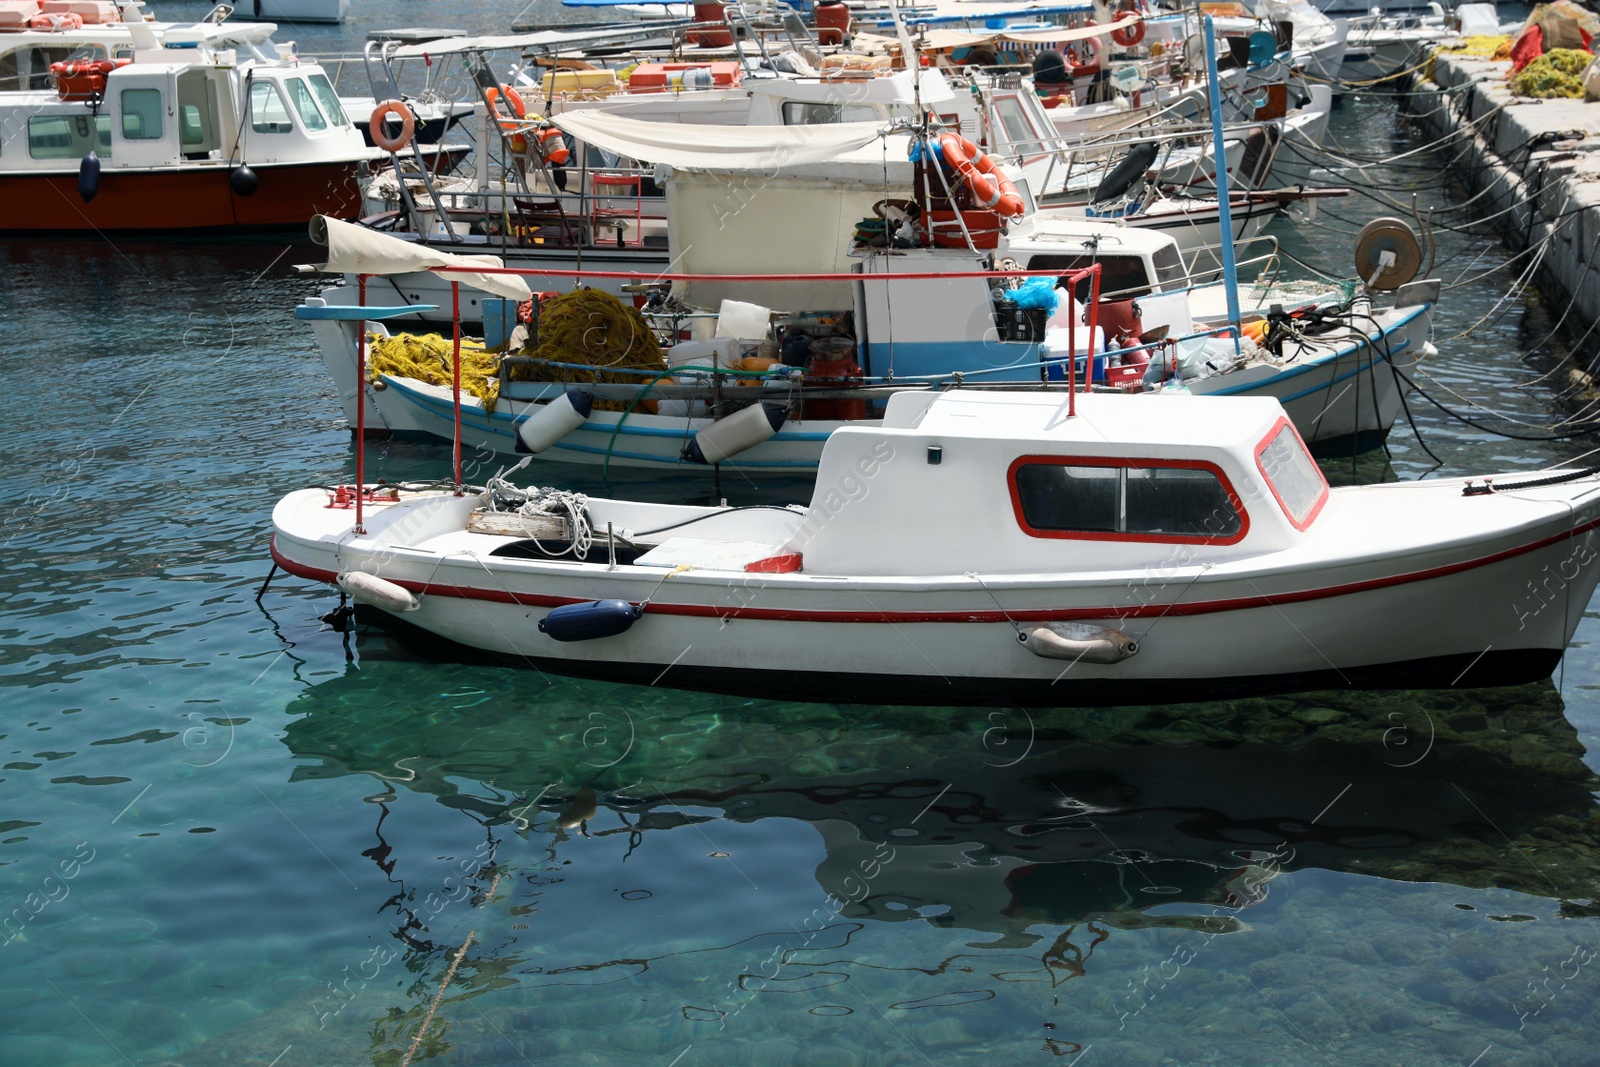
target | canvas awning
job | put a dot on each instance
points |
(745, 148)
(355, 249)
(1062, 34)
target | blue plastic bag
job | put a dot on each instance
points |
(1037, 293)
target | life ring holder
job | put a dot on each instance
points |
(1128, 36)
(509, 123)
(989, 185)
(380, 135)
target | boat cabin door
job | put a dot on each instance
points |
(144, 116)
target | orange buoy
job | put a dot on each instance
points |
(1128, 36)
(553, 147)
(380, 134)
(989, 185)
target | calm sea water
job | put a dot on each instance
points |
(252, 834)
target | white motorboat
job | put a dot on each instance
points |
(199, 127)
(995, 548)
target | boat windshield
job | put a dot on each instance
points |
(305, 105)
(1295, 478)
(329, 100)
(268, 114)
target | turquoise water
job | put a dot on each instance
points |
(260, 834)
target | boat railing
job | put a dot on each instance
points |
(1265, 255)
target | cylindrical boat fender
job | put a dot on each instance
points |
(590, 619)
(379, 593)
(89, 177)
(729, 436)
(1120, 178)
(1076, 640)
(554, 421)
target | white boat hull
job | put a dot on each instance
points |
(1455, 612)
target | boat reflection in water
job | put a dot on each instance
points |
(1008, 850)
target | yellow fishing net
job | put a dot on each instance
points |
(1494, 46)
(585, 326)
(427, 358)
(1557, 73)
(594, 328)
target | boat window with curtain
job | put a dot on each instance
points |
(1111, 499)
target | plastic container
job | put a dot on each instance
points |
(984, 226)
(735, 318)
(1055, 370)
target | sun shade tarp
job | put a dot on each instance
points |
(355, 249)
(757, 148)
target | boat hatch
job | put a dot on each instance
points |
(1295, 479)
(1104, 498)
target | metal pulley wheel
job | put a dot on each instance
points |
(1387, 235)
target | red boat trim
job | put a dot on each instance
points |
(1143, 611)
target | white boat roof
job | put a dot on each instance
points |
(1105, 424)
(1046, 232)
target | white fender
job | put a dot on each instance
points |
(729, 436)
(370, 589)
(1076, 640)
(554, 421)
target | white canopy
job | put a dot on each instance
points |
(1064, 33)
(763, 148)
(355, 249)
(543, 40)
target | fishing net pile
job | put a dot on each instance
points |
(427, 358)
(1557, 73)
(592, 327)
(1495, 46)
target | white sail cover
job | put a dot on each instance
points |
(355, 249)
(758, 148)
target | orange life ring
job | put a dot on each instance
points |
(380, 136)
(989, 185)
(1128, 36)
(509, 123)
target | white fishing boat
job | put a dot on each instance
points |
(994, 548)
(203, 127)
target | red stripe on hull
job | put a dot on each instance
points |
(192, 199)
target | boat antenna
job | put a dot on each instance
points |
(908, 50)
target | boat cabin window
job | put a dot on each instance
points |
(29, 68)
(268, 113)
(805, 113)
(1107, 499)
(329, 100)
(1169, 268)
(1120, 276)
(69, 136)
(141, 114)
(305, 106)
(1294, 476)
(1018, 133)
